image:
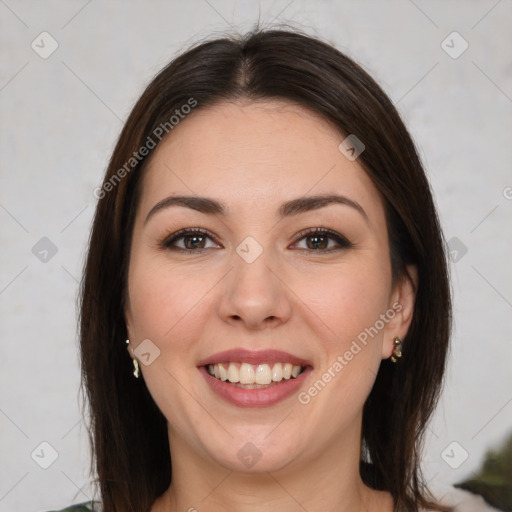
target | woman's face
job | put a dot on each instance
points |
(255, 282)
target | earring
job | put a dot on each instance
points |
(136, 371)
(397, 353)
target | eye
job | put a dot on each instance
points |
(194, 240)
(319, 240)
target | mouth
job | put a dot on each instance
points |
(254, 379)
(250, 376)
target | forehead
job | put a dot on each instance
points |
(255, 154)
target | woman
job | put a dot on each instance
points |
(265, 247)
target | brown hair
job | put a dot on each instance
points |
(127, 430)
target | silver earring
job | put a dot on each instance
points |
(136, 371)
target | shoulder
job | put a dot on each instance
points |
(88, 506)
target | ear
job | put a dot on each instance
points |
(402, 301)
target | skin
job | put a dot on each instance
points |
(253, 157)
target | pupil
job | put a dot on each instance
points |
(195, 239)
(315, 240)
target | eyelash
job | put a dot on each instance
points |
(343, 242)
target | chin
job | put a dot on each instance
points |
(262, 451)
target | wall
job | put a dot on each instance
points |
(60, 117)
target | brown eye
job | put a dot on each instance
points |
(194, 240)
(317, 240)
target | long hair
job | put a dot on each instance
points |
(128, 433)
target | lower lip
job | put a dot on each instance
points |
(262, 397)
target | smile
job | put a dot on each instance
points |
(248, 378)
(251, 376)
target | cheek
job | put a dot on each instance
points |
(357, 299)
(166, 303)
(348, 299)
(349, 305)
(167, 307)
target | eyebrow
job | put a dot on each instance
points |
(293, 207)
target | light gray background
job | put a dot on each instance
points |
(60, 117)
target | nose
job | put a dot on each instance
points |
(255, 295)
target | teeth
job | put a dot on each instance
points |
(295, 371)
(222, 372)
(233, 373)
(263, 374)
(277, 372)
(247, 374)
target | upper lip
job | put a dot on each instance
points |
(241, 355)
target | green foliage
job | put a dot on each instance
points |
(494, 481)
